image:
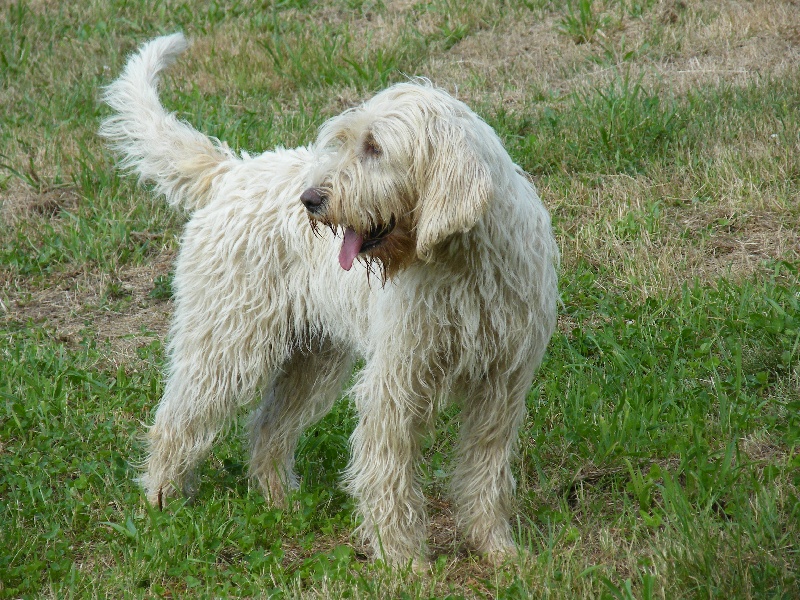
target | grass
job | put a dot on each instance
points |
(581, 23)
(660, 458)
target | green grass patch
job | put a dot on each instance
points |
(650, 417)
(623, 127)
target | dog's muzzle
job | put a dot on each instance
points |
(354, 243)
(314, 200)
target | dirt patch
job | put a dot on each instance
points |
(513, 64)
(442, 530)
(117, 311)
(730, 42)
(24, 203)
(759, 447)
(674, 47)
(738, 243)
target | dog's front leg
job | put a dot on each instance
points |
(482, 484)
(382, 474)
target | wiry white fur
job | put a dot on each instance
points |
(262, 307)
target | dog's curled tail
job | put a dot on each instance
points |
(181, 162)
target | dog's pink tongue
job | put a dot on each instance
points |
(350, 248)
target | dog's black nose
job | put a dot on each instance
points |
(313, 199)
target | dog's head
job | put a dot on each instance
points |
(400, 174)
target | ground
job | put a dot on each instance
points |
(660, 458)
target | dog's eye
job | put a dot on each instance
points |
(371, 148)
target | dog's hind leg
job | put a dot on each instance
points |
(222, 351)
(303, 392)
(482, 484)
(205, 386)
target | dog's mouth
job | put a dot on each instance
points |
(355, 243)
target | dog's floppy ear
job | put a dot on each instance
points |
(455, 182)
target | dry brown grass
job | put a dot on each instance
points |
(678, 45)
(731, 237)
(79, 305)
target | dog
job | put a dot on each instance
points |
(404, 236)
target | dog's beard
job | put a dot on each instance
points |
(396, 252)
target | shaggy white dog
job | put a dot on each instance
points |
(404, 235)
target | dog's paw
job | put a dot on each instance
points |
(159, 497)
(421, 566)
(279, 492)
(506, 555)
(499, 549)
(158, 492)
